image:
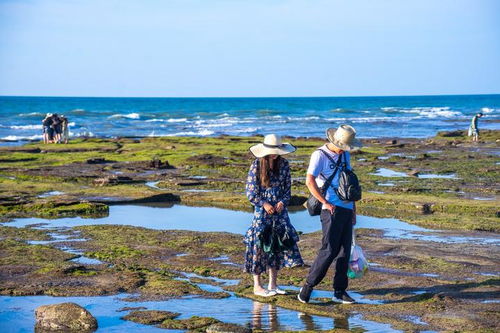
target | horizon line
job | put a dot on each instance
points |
(256, 97)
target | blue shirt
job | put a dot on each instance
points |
(320, 164)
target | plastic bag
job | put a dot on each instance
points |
(358, 265)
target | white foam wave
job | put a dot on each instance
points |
(247, 130)
(487, 110)
(427, 112)
(26, 127)
(21, 138)
(303, 118)
(128, 116)
(171, 120)
(32, 115)
(203, 132)
(177, 120)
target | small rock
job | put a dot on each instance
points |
(96, 160)
(64, 317)
(227, 328)
(158, 164)
(414, 173)
(150, 317)
(391, 142)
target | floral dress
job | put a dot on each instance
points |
(256, 260)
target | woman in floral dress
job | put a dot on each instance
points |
(268, 188)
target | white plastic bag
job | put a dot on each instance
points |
(358, 265)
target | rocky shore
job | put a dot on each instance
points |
(446, 183)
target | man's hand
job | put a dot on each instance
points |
(279, 207)
(354, 219)
(268, 208)
(330, 207)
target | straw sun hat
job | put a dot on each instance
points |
(343, 137)
(272, 146)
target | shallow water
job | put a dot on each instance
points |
(223, 220)
(384, 172)
(17, 314)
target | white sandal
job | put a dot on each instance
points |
(279, 291)
(265, 293)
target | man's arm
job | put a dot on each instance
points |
(316, 192)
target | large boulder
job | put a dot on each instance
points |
(64, 317)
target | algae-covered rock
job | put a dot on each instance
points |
(227, 328)
(150, 317)
(192, 323)
(64, 317)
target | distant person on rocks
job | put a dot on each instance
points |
(268, 188)
(57, 127)
(337, 216)
(473, 129)
(47, 128)
(65, 129)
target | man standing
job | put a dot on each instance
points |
(473, 129)
(337, 216)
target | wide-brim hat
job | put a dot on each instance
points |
(272, 146)
(343, 137)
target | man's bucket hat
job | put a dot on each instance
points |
(343, 137)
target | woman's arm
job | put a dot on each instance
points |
(253, 187)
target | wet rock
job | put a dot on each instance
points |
(130, 308)
(297, 200)
(414, 173)
(97, 160)
(208, 159)
(158, 164)
(64, 317)
(192, 323)
(451, 134)
(227, 328)
(188, 183)
(150, 317)
(112, 180)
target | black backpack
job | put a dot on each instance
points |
(349, 188)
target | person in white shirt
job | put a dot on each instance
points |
(337, 216)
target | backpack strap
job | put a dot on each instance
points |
(329, 181)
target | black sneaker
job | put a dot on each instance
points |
(305, 294)
(342, 297)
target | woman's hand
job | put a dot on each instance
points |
(269, 208)
(279, 207)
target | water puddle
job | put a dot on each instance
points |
(17, 314)
(153, 185)
(50, 194)
(197, 177)
(416, 320)
(384, 172)
(208, 219)
(386, 184)
(436, 176)
(377, 192)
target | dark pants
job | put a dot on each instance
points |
(336, 243)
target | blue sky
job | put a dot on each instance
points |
(249, 48)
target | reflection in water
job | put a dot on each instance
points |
(266, 317)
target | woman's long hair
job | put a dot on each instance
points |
(266, 166)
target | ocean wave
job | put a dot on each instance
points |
(26, 127)
(170, 120)
(247, 130)
(203, 132)
(487, 110)
(21, 138)
(426, 112)
(128, 116)
(32, 115)
(303, 118)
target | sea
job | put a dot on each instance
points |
(372, 117)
